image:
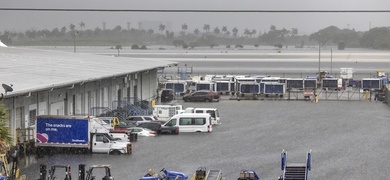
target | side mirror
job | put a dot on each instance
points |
(105, 140)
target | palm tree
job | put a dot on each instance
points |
(150, 31)
(294, 31)
(206, 27)
(82, 24)
(224, 29)
(247, 32)
(184, 27)
(63, 30)
(196, 31)
(5, 135)
(161, 27)
(253, 32)
(235, 31)
(216, 30)
(72, 27)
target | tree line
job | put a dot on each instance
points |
(375, 38)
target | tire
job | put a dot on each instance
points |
(116, 152)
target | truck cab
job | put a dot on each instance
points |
(104, 143)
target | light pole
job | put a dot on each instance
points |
(74, 41)
(331, 60)
(319, 56)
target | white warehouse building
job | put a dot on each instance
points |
(36, 82)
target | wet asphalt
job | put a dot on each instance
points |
(348, 139)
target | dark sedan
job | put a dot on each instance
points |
(156, 126)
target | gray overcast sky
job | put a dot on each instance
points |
(305, 22)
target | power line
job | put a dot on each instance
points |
(195, 10)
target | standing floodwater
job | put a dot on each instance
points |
(349, 140)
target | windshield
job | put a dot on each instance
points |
(211, 112)
(110, 137)
(172, 122)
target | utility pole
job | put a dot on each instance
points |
(331, 60)
(74, 41)
(319, 56)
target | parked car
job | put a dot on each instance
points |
(169, 130)
(154, 126)
(167, 95)
(143, 131)
(160, 121)
(136, 120)
(215, 94)
(206, 96)
(124, 127)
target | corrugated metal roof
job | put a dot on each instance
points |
(31, 70)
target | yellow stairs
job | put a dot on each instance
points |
(4, 165)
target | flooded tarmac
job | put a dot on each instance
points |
(348, 139)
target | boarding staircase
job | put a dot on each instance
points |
(136, 108)
(214, 174)
(123, 109)
(294, 171)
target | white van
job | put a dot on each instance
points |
(191, 122)
(215, 119)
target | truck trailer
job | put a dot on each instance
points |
(75, 134)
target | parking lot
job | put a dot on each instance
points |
(348, 139)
